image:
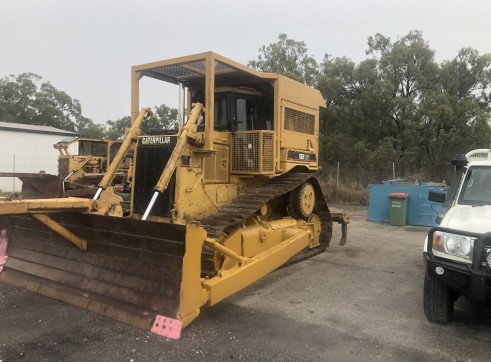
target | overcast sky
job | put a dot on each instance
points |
(86, 47)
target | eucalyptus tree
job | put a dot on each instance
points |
(287, 57)
(25, 98)
(400, 105)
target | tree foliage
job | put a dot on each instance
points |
(163, 117)
(85, 127)
(26, 99)
(403, 106)
(287, 57)
(115, 129)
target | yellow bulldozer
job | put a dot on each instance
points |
(83, 170)
(78, 172)
(230, 197)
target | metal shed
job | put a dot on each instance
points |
(27, 148)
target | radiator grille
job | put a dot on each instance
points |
(253, 152)
(298, 121)
(150, 163)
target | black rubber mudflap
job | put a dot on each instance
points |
(131, 271)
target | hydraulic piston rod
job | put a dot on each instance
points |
(188, 130)
(129, 139)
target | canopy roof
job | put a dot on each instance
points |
(191, 70)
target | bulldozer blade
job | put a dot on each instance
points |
(132, 269)
(38, 185)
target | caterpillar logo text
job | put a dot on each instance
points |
(156, 140)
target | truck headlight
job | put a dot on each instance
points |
(459, 246)
(488, 258)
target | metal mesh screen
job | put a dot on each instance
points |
(268, 152)
(190, 70)
(252, 152)
(150, 163)
(222, 68)
(176, 71)
(298, 121)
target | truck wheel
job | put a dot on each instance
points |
(301, 201)
(438, 300)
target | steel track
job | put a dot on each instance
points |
(250, 201)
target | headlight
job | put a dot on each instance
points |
(453, 244)
(488, 257)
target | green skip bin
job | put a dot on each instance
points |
(398, 208)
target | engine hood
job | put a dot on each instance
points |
(475, 219)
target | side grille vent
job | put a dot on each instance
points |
(298, 121)
(253, 152)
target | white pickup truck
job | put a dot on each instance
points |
(457, 253)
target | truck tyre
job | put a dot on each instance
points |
(301, 201)
(438, 300)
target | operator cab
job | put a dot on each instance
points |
(240, 109)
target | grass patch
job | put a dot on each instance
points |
(346, 192)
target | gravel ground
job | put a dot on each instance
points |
(354, 303)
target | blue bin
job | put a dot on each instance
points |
(420, 211)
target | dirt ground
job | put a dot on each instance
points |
(360, 302)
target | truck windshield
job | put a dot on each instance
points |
(476, 189)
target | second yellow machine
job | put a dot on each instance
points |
(229, 197)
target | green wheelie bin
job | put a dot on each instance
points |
(398, 208)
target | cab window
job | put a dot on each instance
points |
(90, 148)
(246, 114)
(221, 122)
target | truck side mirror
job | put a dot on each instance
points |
(437, 196)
